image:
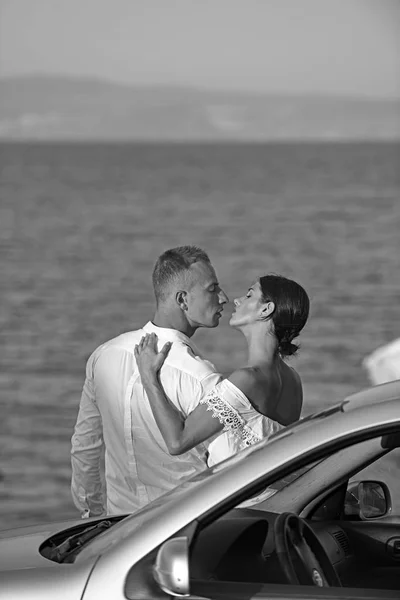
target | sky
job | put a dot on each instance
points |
(297, 46)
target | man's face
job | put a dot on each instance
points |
(205, 298)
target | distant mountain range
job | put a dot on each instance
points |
(61, 108)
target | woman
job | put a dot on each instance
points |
(255, 400)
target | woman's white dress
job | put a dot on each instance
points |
(243, 425)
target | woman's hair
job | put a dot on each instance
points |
(292, 307)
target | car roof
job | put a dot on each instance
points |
(372, 395)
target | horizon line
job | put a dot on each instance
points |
(195, 87)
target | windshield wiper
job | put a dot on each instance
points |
(69, 546)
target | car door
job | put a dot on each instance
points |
(374, 559)
(377, 541)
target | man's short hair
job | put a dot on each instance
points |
(171, 265)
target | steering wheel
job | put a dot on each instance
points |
(294, 539)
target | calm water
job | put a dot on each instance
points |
(81, 227)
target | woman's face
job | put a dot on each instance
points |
(248, 308)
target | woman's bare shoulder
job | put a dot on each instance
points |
(246, 379)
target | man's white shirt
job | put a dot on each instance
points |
(115, 413)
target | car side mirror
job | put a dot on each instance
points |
(367, 500)
(171, 567)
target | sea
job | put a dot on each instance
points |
(82, 226)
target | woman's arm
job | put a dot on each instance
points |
(180, 434)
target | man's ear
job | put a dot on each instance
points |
(267, 310)
(181, 299)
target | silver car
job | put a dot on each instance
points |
(291, 517)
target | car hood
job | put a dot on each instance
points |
(19, 548)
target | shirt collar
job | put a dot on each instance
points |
(171, 334)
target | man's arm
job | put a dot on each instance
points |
(86, 451)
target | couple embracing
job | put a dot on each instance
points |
(160, 410)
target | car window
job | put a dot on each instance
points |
(299, 490)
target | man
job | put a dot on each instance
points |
(114, 410)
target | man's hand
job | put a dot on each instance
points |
(149, 361)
